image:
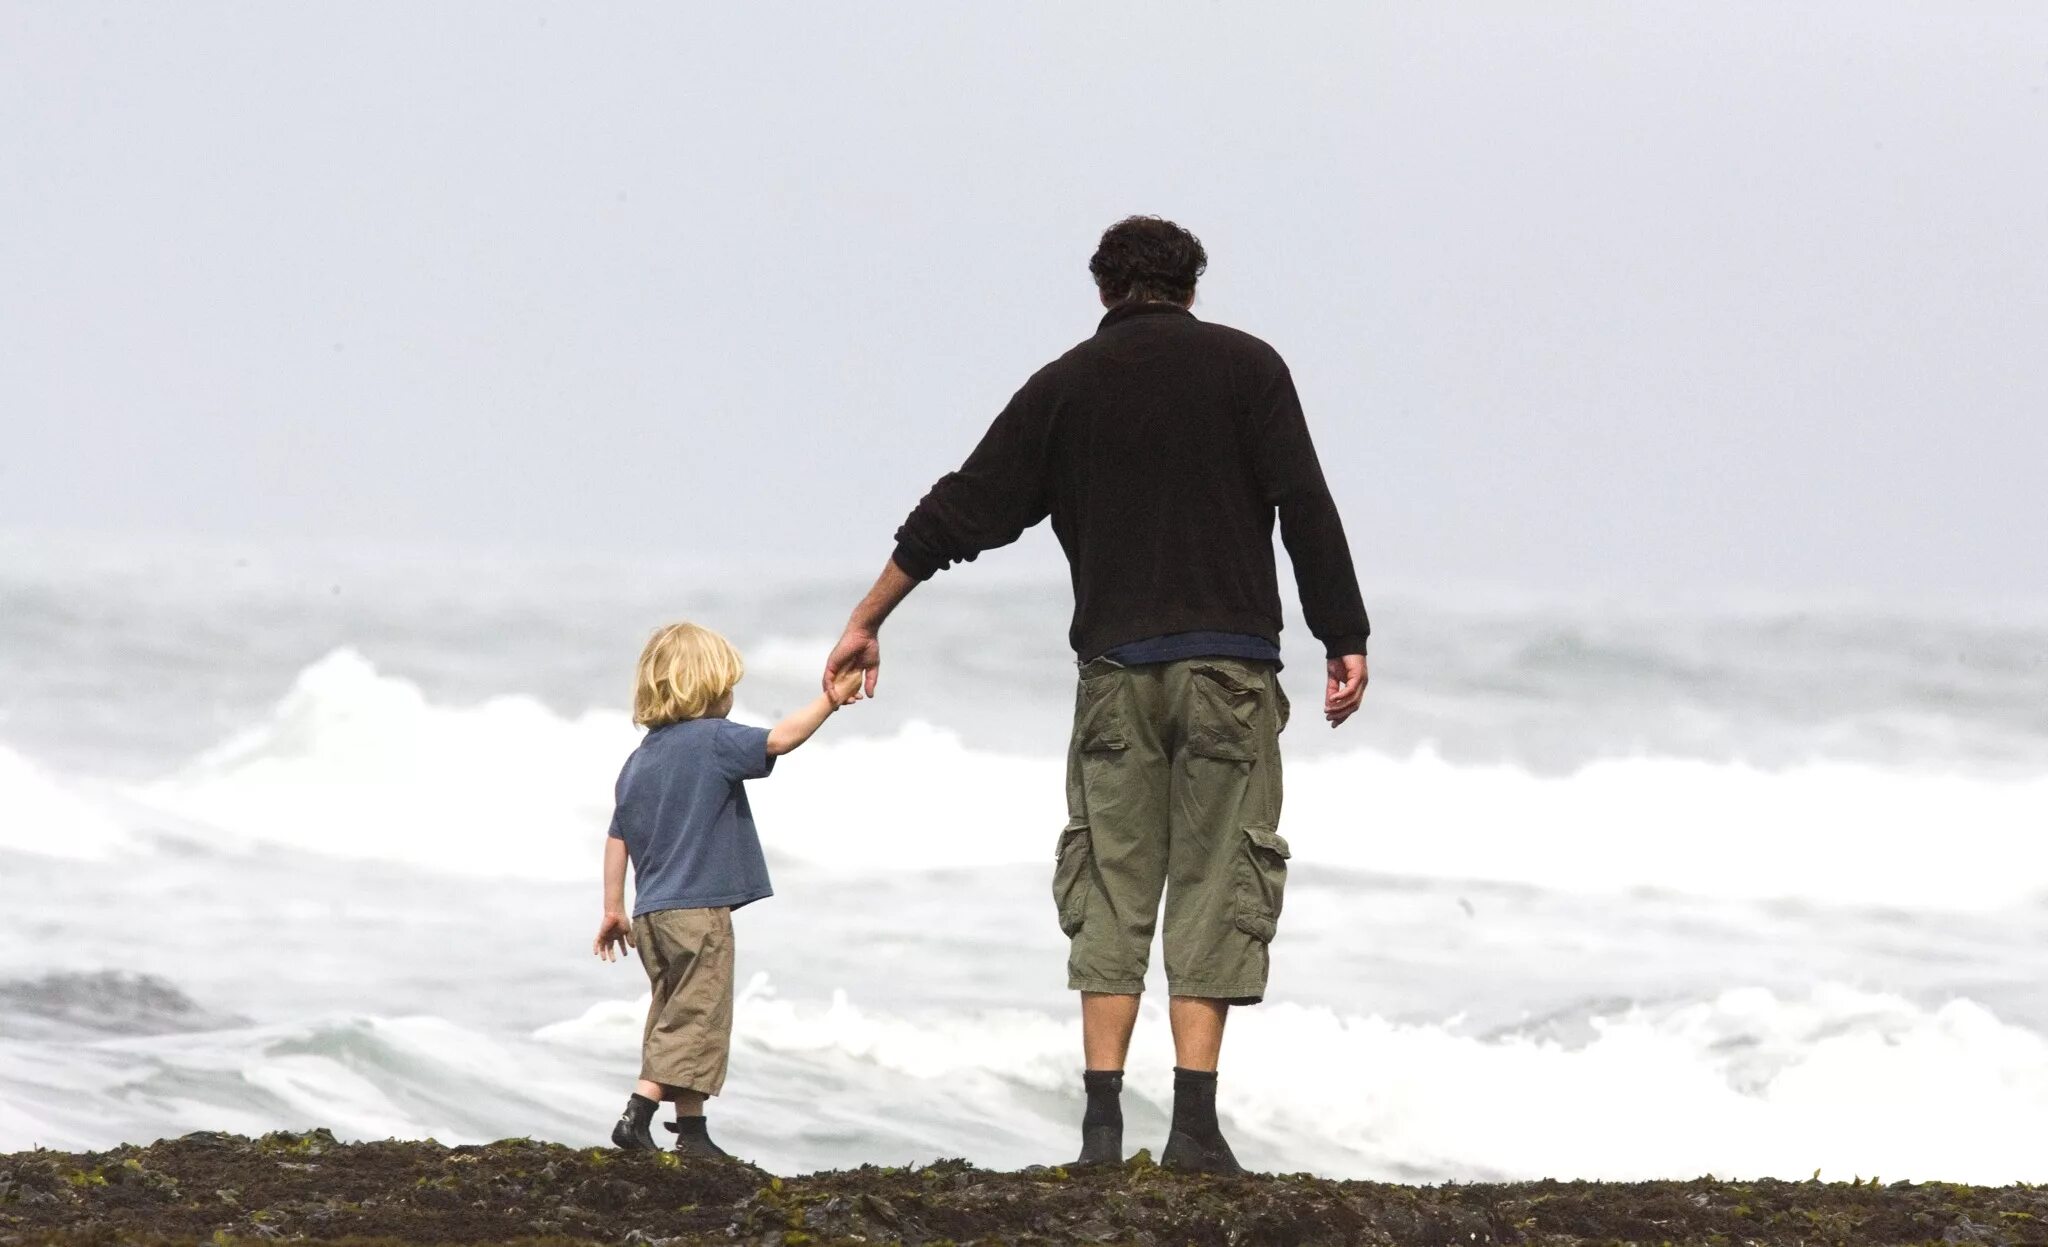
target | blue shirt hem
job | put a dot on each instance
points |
(732, 900)
(1180, 646)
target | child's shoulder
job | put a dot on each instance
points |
(665, 747)
(685, 735)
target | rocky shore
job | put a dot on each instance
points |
(307, 1188)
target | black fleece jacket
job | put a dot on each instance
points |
(1162, 447)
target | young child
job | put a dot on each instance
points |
(682, 819)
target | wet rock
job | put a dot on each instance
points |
(309, 1188)
(1968, 1231)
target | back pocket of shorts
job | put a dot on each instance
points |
(1070, 882)
(1223, 714)
(1099, 713)
(1261, 882)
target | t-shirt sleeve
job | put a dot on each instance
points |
(615, 831)
(743, 751)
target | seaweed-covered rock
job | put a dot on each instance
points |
(310, 1188)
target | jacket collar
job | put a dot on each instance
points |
(1124, 311)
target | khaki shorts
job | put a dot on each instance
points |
(688, 956)
(1173, 787)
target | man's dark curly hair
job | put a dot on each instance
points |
(1146, 259)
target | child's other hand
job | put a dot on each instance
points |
(614, 936)
(847, 687)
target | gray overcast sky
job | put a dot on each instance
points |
(1608, 296)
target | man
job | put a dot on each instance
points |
(1162, 447)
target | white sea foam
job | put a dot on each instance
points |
(360, 764)
(39, 814)
(1746, 1083)
(363, 1077)
(357, 764)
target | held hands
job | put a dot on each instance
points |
(1346, 686)
(844, 687)
(859, 653)
(614, 936)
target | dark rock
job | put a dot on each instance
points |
(389, 1193)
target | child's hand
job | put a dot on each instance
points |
(614, 936)
(847, 687)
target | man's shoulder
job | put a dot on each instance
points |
(1237, 341)
(1081, 364)
(1075, 358)
(1211, 335)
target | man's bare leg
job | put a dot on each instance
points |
(1106, 1024)
(1198, 1032)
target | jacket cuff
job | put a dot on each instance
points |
(1339, 646)
(915, 565)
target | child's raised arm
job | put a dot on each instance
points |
(797, 728)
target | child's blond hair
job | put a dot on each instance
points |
(684, 671)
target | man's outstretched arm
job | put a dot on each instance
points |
(993, 497)
(860, 646)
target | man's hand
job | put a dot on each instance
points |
(1347, 685)
(859, 652)
(614, 936)
(860, 647)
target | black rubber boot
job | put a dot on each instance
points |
(694, 1139)
(1102, 1126)
(1196, 1143)
(631, 1133)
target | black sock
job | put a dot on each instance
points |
(1194, 1102)
(1105, 1098)
(1102, 1125)
(640, 1109)
(1197, 1143)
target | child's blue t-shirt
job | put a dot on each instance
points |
(682, 811)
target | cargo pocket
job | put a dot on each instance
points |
(1261, 882)
(1099, 714)
(1223, 716)
(1070, 877)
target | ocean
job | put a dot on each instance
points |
(1592, 888)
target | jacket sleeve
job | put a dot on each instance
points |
(998, 493)
(1292, 478)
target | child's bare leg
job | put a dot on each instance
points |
(688, 1103)
(693, 1138)
(652, 1090)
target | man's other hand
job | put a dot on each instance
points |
(858, 650)
(1345, 688)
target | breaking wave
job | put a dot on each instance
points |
(1745, 1083)
(356, 763)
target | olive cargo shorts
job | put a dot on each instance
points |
(1173, 785)
(688, 957)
